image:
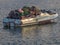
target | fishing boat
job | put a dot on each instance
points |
(43, 17)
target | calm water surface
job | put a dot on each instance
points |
(48, 34)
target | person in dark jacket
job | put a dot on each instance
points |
(11, 13)
(14, 14)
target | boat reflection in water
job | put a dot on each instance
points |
(32, 35)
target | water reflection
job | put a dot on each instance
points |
(32, 35)
(14, 30)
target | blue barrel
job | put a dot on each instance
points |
(18, 21)
(6, 20)
(11, 20)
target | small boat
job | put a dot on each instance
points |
(43, 17)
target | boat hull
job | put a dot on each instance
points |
(30, 21)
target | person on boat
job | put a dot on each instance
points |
(21, 13)
(34, 11)
(17, 14)
(26, 10)
(14, 14)
(11, 13)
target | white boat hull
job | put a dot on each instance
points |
(39, 19)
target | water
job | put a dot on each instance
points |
(48, 34)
